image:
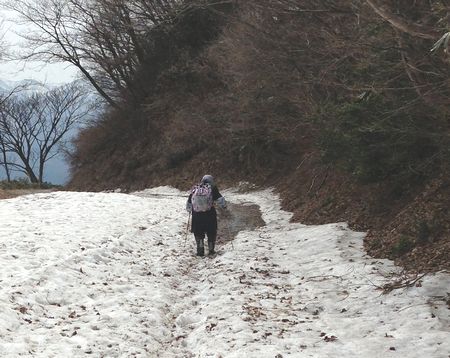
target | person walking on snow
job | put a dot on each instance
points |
(204, 217)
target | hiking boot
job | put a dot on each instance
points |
(211, 245)
(200, 246)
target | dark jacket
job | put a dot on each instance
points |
(204, 222)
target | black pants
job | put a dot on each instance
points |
(199, 238)
(204, 223)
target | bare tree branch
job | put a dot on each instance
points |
(104, 39)
(400, 23)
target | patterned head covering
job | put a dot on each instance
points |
(208, 179)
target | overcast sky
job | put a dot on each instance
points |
(16, 71)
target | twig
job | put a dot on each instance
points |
(402, 283)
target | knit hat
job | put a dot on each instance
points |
(208, 179)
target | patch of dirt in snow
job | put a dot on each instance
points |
(238, 217)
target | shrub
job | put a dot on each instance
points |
(423, 232)
(24, 183)
(374, 141)
(402, 246)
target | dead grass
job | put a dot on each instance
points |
(13, 193)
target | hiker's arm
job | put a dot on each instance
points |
(215, 193)
(219, 199)
(222, 203)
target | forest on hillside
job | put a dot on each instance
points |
(342, 106)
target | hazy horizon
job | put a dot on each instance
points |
(57, 73)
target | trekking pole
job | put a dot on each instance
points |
(229, 234)
(232, 245)
(187, 229)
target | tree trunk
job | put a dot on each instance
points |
(41, 171)
(5, 165)
(8, 174)
(33, 178)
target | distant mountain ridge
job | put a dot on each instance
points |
(27, 85)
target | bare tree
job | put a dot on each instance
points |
(32, 127)
(104, 39)
(6, 159)
(55, 35)
(117, 35)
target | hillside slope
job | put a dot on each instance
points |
(336, 105)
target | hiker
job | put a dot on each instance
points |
(204, 217)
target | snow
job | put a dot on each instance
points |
(114, 275)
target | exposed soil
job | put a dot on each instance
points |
(12, 193)
(408, 224)
(237, 218)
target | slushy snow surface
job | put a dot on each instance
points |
(112, 275)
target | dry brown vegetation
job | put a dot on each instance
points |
(338, 104)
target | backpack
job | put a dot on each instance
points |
(202, 198)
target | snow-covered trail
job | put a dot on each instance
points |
(110, 275)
